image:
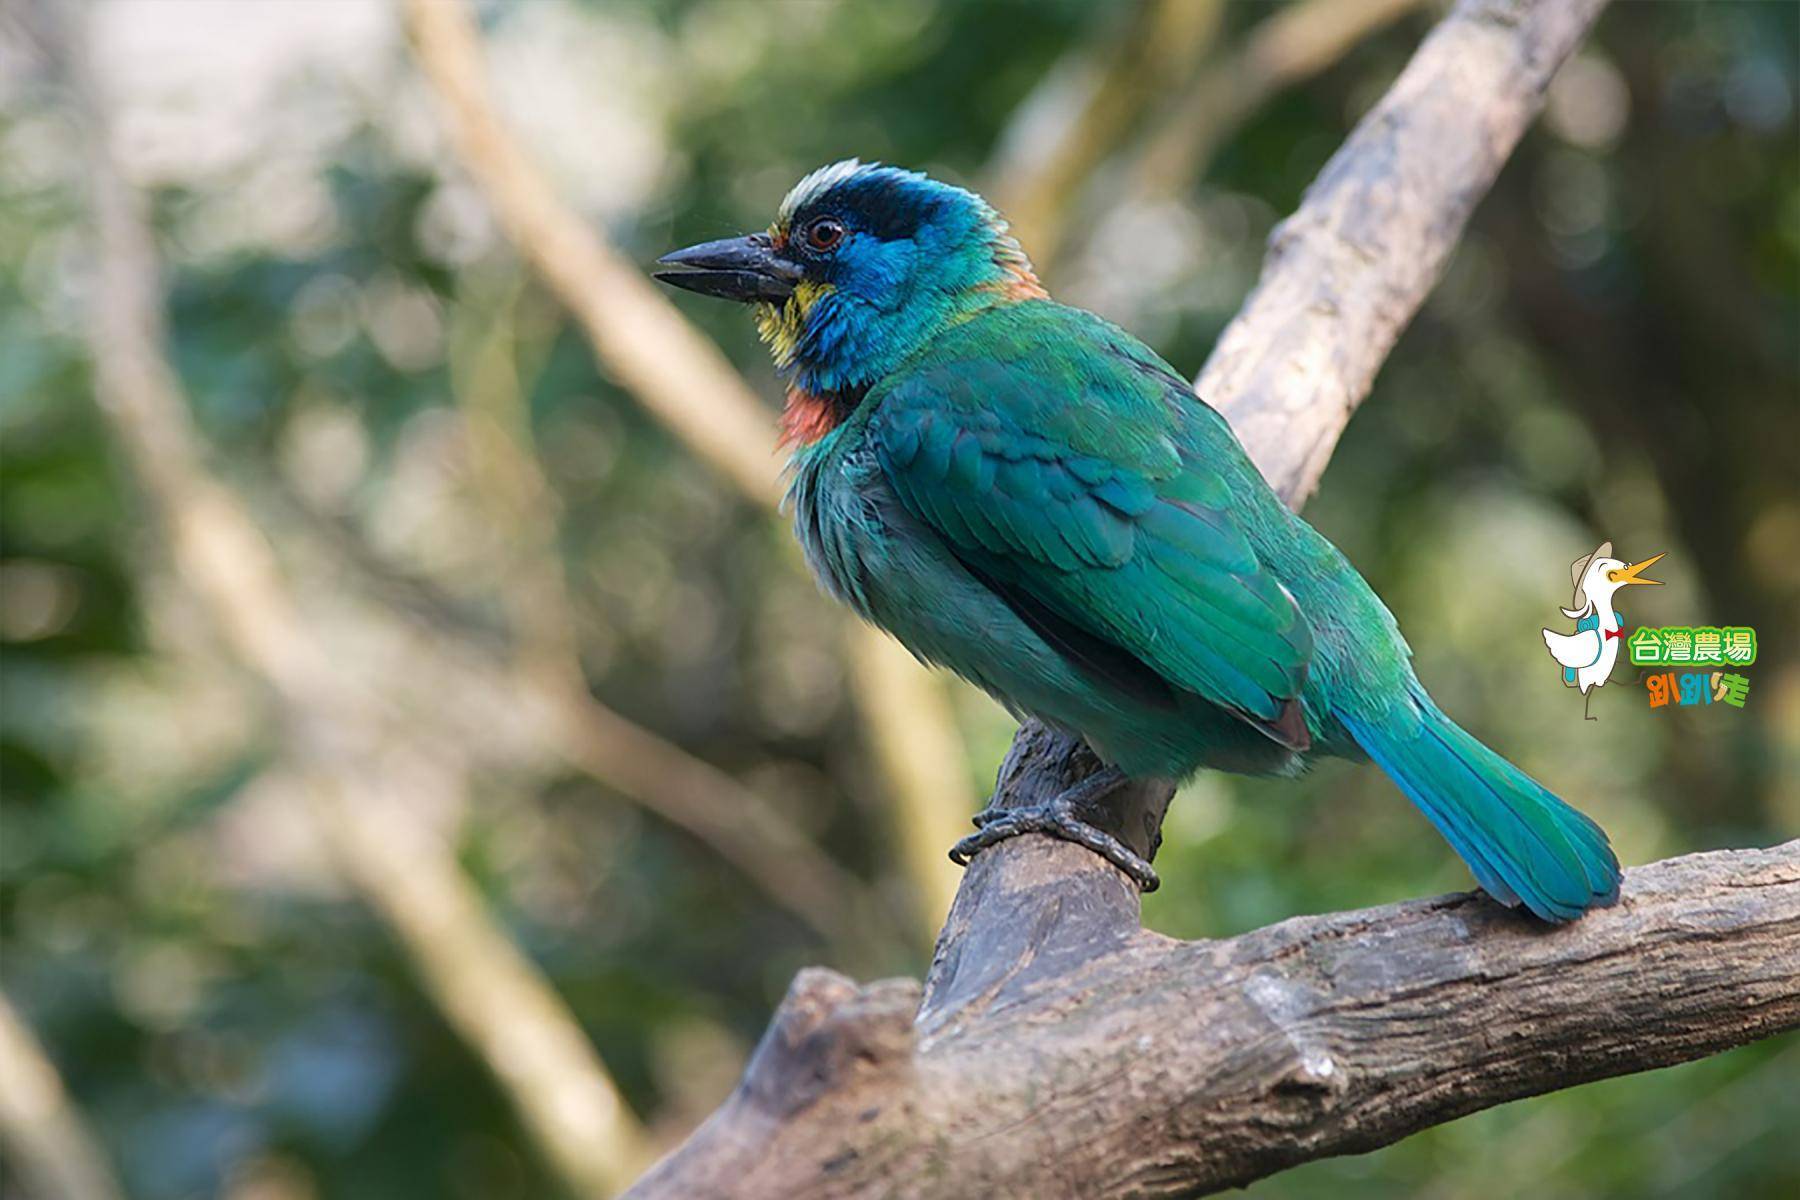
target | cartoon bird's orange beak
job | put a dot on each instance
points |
(1630, 574)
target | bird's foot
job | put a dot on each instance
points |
(1061, 817)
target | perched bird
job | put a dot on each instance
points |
(1587, 655)
(1026, 494)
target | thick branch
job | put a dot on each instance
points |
(1149, 1067)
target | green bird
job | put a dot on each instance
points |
(1026, 494)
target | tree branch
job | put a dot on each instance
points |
(1294, 42)
(1058, 1049)
(1127, 1064)
(1345, 274)
(1036, 179)
(1039, 191)
(55, 1153)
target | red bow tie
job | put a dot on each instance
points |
(1611, 633)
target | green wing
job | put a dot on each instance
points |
(1071, 473)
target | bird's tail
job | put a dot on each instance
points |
(1523, 844)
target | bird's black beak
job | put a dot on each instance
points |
(745, 268)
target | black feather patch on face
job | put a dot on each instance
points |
(877, 205)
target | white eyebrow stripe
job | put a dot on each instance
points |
(816, 185)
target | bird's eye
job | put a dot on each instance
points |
(825, 233)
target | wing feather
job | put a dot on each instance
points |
(1103, 532)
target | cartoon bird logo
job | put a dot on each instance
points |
(1587, 655)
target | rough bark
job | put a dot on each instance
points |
(1111, 1061)
(1056, 1048)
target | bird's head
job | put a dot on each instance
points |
(1600, 575)
(863, 264)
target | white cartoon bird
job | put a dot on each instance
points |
(1587, 655)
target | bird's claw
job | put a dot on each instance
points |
(1057, 819)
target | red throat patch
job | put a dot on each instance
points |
(806, 418)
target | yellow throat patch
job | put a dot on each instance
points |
(780, 326)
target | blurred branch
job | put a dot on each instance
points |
(400, 589)
(1039, 183)
(1296, 41)
(484, 377)
(919, 753)
(1051, 1020)
(549, 701)
(491, 994)
(672, 370)
(1151, 1067)
(56, 1155)
(743, 827)
(677, 374)
(739, 824)
(343, 736)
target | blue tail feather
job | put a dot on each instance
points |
(1523, 844)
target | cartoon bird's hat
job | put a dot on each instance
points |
(1579, 568)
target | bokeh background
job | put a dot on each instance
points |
(580, 625)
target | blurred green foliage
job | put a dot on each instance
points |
(1614, 353)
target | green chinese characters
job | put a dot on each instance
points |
(1681, 645)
